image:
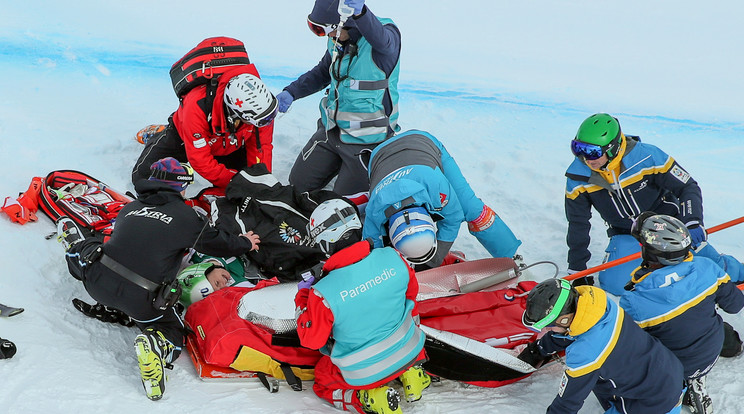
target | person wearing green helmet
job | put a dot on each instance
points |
(209, 274)
(621, 177)
(606, 352)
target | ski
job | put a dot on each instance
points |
(8, 311)
(478, 348)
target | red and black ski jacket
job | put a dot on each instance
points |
(206, 134)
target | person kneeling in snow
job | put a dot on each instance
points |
(135, 270)
(673, 296)
(415, 182)
(628, 370)
(361, 313)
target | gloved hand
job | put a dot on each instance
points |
(697, 234)
(582, 281)
(284, 100)
(7, 349)
(306, 283)
(531, 355)
(357, 5)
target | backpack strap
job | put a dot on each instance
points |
(272, 386)
(291, 378)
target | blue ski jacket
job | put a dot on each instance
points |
(649, 180)
(607, 353)
(677, 305)
(416, 179)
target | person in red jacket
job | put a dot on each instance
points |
(234, 132)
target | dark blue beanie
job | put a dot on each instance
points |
(326, 12)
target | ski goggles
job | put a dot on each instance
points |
(259, 121)
(267, 119)
(321, 29)
(587, 151)
(554, 313)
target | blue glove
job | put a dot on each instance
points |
(697, 234)
(357, 5)
(284, 100)
(306, 283)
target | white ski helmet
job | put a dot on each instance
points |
(194, 283)
(413, 234)
(334, 225)
(248, 98)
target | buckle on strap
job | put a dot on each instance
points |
(396, 207)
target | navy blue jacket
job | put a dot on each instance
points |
(649, 180)
(608, 354)
(677, 305)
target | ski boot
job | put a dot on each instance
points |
(697, 398)
(154, 353)
(7, 349)
(68, 233)
(148, 132)
(415, 380)
(380, 400)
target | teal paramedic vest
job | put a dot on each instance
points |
(355, 103)
(375, 335)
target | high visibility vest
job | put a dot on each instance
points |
(355, 96)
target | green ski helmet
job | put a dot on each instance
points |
(598, 135)
(194, 283)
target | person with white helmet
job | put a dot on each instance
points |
(360, 310)
(359, 70)
(218, 141)
(419, 198)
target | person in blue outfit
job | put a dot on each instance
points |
(621, 177)
(628, 370)
(419, 198)
(673, 296)
(360, 70)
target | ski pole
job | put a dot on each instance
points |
(634, 256)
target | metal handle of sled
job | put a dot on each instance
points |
(634, 256)
(501, 276)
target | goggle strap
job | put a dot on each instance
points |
(557, 308)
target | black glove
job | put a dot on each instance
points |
(103, 313)
(583, 281)
(531, 355)
(7, 349)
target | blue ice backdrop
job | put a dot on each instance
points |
(503, 84)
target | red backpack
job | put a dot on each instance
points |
(89, 202)
(206, 62)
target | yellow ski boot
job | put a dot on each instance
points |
(380, 400)
(415, 380)
(153, 354)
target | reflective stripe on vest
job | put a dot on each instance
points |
(375, 349)
(370, 373)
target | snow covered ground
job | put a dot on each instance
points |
(503, 84)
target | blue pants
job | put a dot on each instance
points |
(497, 237)
(675, 410)
(614, 279)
